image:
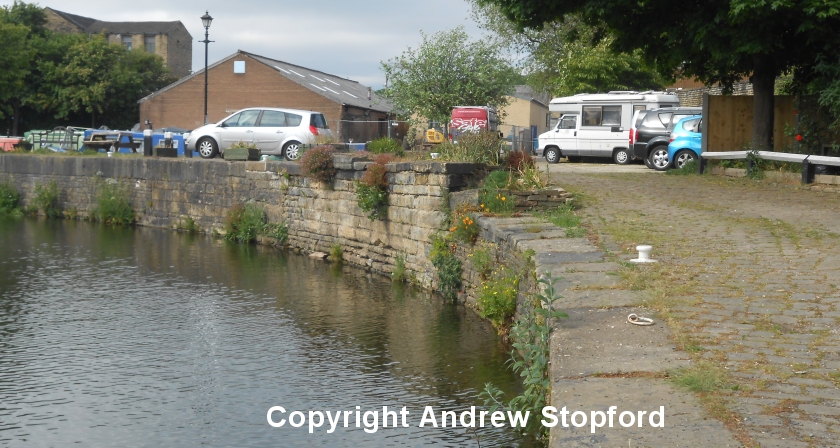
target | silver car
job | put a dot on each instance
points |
(273, 130)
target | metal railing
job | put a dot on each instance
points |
(809, 162)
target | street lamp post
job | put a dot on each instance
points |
(206, 20)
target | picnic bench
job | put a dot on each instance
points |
(112, 139)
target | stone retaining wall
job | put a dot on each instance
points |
(165, 192)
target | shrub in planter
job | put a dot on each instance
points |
(317, 163)
(519, 160)
(385, 145)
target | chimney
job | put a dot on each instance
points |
(368, 93)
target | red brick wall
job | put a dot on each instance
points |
(260, 86)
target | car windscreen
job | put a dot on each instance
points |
(639, 118)
(318, 121)
(689, 125)
(652, 120)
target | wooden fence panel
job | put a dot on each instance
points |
(730, 122)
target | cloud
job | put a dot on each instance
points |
(334, 36)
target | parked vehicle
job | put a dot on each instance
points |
(638, 115)
(686, 139)
(651, 142)
(597, 125)
(276, 131)
(472, 119)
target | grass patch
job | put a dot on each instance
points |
(564, 216)
(703, 377)
(691, 168)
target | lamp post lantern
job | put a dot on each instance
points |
(206, 20)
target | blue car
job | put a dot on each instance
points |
(685, 141)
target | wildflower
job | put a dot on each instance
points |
(453, 229)
(799, 137)
(503, 198)
(482, 205)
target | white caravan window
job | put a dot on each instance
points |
(601, 116)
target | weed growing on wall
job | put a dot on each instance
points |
(317, 163)
(497, 296)
(491, 195)
(46, 200)
(9, 200)
(244, 222)
(372, 188)
(398, 274)
(464, 228)
(448, 267)
(336, 253)
(113, 204)
(189, 225)
(482, 262)
(385, 145)
(529, 358)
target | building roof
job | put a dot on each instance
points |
(527, 93)
(94, 26)
(79, 21)
(340, 90)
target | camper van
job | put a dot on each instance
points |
(597, 125)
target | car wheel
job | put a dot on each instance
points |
(552, 155)
(207, 148)
(659, 158)
(575, 159)
(647, 163)
(682, 157)
(292, 151)
(621, 156)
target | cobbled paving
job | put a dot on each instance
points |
(764, 269)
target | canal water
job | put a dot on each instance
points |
(147, 337)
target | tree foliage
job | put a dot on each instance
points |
(448, 70)
(716, 41)
(47, 79)
(567, 57)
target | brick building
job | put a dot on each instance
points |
(526, 115)
(169, 40)
(247, 80)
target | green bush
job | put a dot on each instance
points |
(317, 163)
(9, 200)
(497, 298)
(385, 145)
(448, 267)
(113, 204)
(244, 222)
(46, 200)
(688, 169)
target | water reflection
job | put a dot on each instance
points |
(137, 337)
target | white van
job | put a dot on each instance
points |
(597, 125)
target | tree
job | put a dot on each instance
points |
(566, 57)
(100, 79)
(448, 70)
(21, 31)
(716, 41)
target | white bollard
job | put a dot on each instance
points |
(644, 254)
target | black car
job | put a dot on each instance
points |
(651, 135)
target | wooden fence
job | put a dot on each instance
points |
(728, 126)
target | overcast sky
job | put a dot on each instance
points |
(347, 38)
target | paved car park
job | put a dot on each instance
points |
(751, 272)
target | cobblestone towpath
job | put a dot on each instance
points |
(746, 297)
